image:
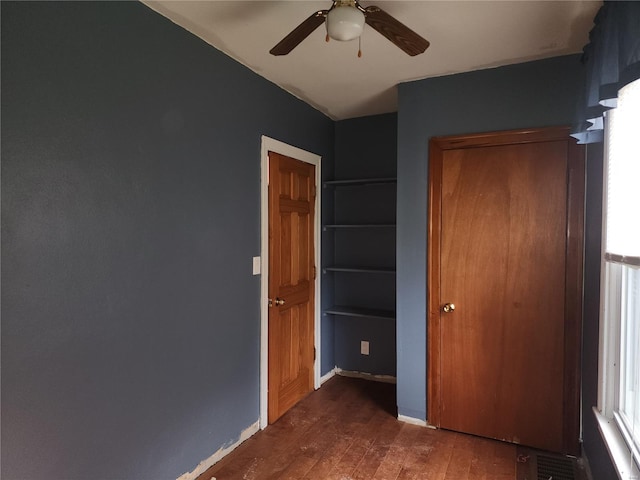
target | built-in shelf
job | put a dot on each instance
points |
(361, 225)
(347, 244)
(360, 181)
(360, 312)
(342, 268)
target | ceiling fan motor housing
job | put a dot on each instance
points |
(344, 22)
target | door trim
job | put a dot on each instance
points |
(272, 145)
(574, 264)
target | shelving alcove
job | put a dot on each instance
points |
(364, 245)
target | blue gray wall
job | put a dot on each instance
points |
(130, 213)
(534, 94)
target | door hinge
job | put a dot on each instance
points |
(314, 272)
(314, 354)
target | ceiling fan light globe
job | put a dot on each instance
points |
(344, 23)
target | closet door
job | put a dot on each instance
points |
(501, 315)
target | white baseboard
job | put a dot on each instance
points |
(329, 375)
(220, 454)
(365, 376)
(414, 421)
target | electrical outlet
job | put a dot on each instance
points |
(364, 347)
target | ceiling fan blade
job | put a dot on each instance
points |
(397, 33)
(301, 32)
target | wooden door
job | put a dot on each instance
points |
(510, 205)
(291, 282)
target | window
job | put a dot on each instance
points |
(618, 408)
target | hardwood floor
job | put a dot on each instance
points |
(347, 430)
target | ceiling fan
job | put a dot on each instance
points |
(345, 20)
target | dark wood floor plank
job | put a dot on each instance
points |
(431, 455)
(332, 457)
(382, 430)
(503, 459)
(461, 458)
(401, 448)
(348, 430)
(482, 460)
(352, 457)
(391, 465)
(388, 430)
(299, 468)
(369, 464)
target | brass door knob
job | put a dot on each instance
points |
(448, 307)
(279, 301)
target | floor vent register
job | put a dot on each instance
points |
(534, 465)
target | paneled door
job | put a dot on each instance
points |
(505, 243)
(291, 282)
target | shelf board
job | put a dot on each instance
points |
(360, 225)
(360, 181)
(360, 312)
(342, 268)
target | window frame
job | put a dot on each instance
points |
(623, 450)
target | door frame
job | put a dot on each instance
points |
(272, 145)
(573, 255)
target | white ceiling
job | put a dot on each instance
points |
(464, 36)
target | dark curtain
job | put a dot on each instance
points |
(612, 59)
